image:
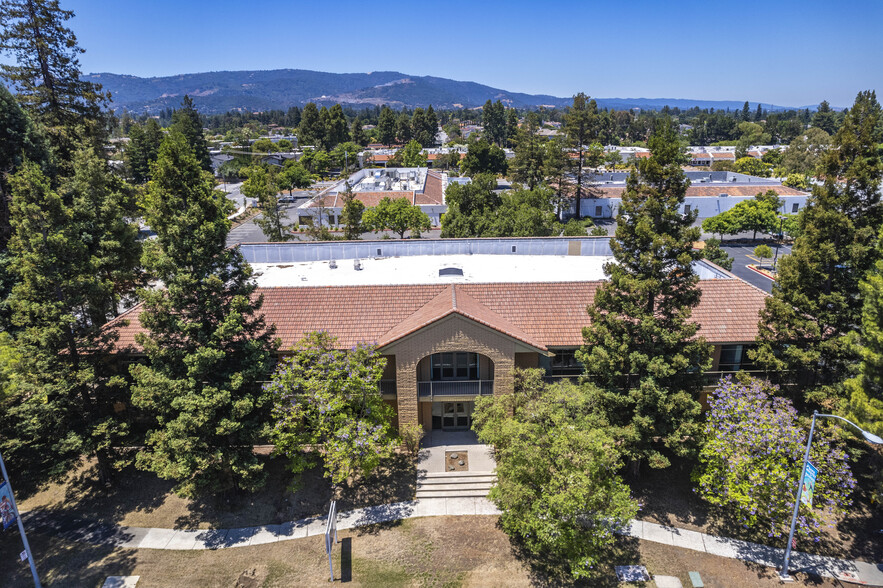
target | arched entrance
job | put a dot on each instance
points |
(448, 384)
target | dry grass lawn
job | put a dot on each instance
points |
(443, 551)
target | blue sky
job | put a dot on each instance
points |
(790, 53)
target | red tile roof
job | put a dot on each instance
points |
(540, 314)
(726, 155)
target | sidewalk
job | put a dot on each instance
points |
(150, 538)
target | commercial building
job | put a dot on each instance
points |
(455, 317)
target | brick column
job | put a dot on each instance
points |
(406, 391)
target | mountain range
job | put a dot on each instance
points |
(257, 90)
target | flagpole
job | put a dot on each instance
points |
(21, 527)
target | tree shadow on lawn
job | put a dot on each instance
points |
(547, 570)
(60, 562)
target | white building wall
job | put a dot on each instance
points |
(707, 206)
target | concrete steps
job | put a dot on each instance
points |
(454, 484)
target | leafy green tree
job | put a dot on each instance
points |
(721, 224)
(206, 342)
(753, 167)
(318, 162)
(74, 262)
(555, 167)
(397, 215)
(713, 253)
(511, 127)
(524, 213)
(753, 215)
(556, 461)
(262, 185)
(263, 146)
(386, 126)
(471, 208)
(804, 153)
(796, 181)
(412, 155)
(748, 463)
(581, 129)
(483, 158)
(762, 252)
(328, 398)
(351, 216)
(143, 149)
(283, 145)
(345, 156)
(419, 131)
(816, 303)
(311, 130)
(44, 69)
(294, 176)
(186, 121)
(641, 346)
(751, 134)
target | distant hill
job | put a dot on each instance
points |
(221, 91)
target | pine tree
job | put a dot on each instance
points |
(403, 128)
(641, 346)
(512, 127)
(581, 128)
(187, 122)
(74, 263)
(358, 134)
(47, 74)
(311, 130)
(431, 120)
(419, 132)
(22, 140)
(143, 149)
(805, 326)
(528, 164)
(863, 402)
(207, 344)
(337, 131)
(386, 126)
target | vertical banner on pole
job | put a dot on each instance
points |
(809, 484)
(7, 512)
(331, 534)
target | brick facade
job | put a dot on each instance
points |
(452, 333)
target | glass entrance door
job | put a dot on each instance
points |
(456, 415)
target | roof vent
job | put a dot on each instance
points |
(450, 271)
(357, 264)
(332, 264)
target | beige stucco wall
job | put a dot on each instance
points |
(453, 333)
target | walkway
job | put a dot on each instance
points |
(148, 538)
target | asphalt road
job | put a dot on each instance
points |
(743, 255)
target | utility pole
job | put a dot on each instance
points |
(21, 527)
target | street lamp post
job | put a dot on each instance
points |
(783, 573)
(779, 243)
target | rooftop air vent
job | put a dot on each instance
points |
(357, 264)
(332, 264)
(450, 271)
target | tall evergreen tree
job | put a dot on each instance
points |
(431, 125)
(528, 164)
(143, 149)
(493, 118)
(825, 118)
(311, 130)
(641, 346)
(816, 303)
(46, 74)
(206, 342)
(581, 128)
(74, 262)
(186, 121)
(358, 134)
(512, 127)
(419, 132)
(337, 131)
(386, 126)
(403, 128)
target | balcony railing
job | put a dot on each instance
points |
(430, 390)
(388, 388)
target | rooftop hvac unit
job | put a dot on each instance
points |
(357, 264)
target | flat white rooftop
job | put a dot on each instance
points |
(458, 269)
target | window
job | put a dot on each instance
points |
(598, 211)
(794, 207)
(455, 366)
(734, 358)
(687, 209)
(565, 363)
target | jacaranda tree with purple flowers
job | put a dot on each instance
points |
(750, 462)
(327, 408)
